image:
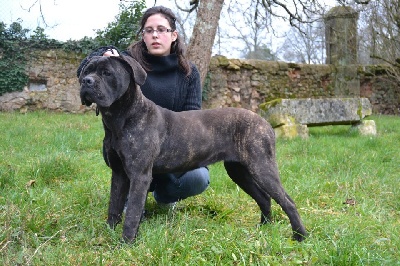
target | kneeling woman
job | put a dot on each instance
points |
(173, 83)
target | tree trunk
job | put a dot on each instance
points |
(204, 31)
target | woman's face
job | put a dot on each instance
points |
(158, 42)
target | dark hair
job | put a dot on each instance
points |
(138, 49)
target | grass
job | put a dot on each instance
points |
(54, 190)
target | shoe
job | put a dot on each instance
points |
(166, 206)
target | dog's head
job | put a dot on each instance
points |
(106, 78)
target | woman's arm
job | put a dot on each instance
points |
(194, 91)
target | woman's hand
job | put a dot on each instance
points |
(111, 52)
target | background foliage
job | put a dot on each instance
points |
(12, 64)
(16, 43)
(123, 31)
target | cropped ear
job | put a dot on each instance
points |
(138, 72)
(81, 68)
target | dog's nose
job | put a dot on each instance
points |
(88, 81)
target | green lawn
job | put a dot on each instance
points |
(54, 191)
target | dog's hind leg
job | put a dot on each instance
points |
(240, 175)
(289, 207)
(268, 181)
(262, 186)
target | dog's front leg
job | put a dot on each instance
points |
(139, 186)
(118, 195)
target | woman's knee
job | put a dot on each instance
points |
(196, 181)
(204, 178)
(187, 185)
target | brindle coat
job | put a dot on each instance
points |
(142, 139)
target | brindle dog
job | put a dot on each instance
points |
(142, 139)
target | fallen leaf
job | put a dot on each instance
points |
(31, 183)
(351, 202)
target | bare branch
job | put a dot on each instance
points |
(193, 3)
(37, 2)
(362, 2)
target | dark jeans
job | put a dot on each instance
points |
(168, 188)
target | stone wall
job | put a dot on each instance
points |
(381, 89)
(53, 84)
(247, 83)
(239, 83)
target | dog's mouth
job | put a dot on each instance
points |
(90, 95)
(85, 98)
(86, 102)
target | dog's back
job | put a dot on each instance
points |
(198, 138)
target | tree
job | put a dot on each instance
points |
(13, 74)
(306, 44)
(14, 31)
(208, 13)
(380, 36)
(122, 32)
(38, 34)
(295, 13)
(247, 27)
(205, 28)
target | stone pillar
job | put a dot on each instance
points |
(341, 49)
(341, 36)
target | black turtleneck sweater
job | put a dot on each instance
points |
(166, 84)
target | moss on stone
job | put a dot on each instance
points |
(223, 60)
(247, 65)
(233, 66)
(214, 63)
(267, 105)
(277, 120)
(359, 110)
(294, 65)
(236, 62)
(286, 131)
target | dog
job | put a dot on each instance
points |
(142, 139)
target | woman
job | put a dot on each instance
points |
(173, 83)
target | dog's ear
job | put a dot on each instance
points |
(138, 71)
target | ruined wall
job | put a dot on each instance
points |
(247, 83)
(381, 89)
(53, 84)
(239, 83)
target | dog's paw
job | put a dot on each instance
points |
(113, 220)
(128, 239)
(299, 237)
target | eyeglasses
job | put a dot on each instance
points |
(160, 30)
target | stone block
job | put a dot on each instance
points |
(366, 127)
(291, 131)
(290, 117)
(315, 112)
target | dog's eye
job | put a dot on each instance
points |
(106, 72)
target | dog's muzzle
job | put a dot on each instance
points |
(87, 85)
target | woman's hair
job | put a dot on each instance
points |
(138, 49)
